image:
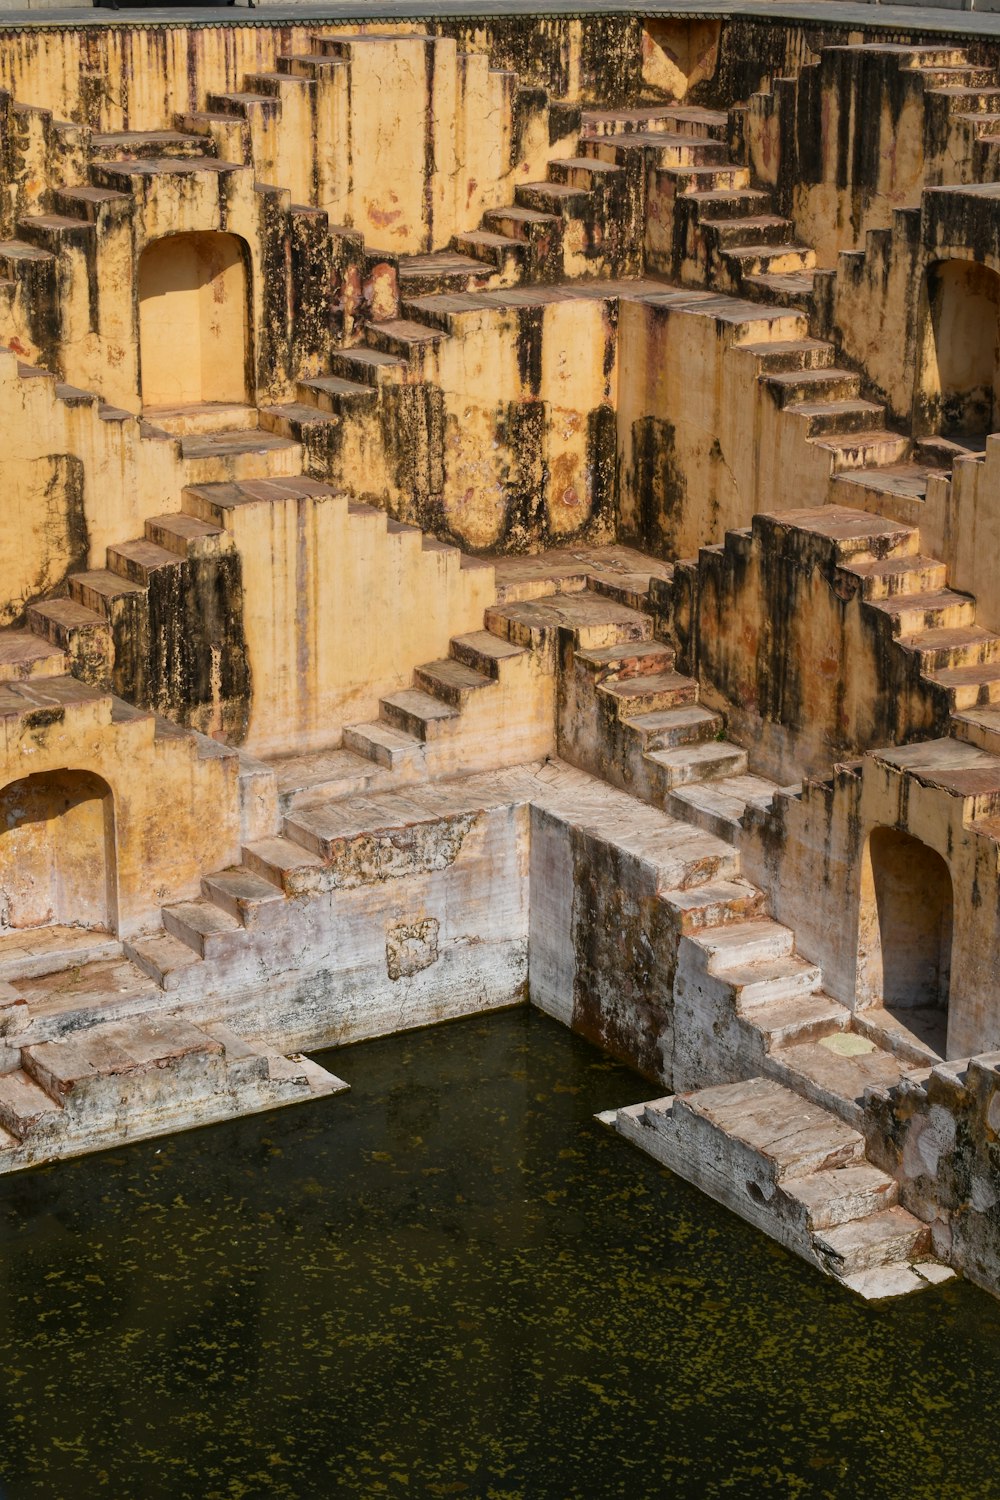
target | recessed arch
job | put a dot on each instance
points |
(57, 852)
(905, 932)
(958, 375)
(194, 320)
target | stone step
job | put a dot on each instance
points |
(980, 727)
(729, 203)
(61, 620)
(953, 646)
(627, 659)
(139, 560)
(583, 173)
(484, 652)
(207, 930)
(366, 366)
(793, 356)
(214, 502)
(384, 744)
(663, 149)
(691, 724)
(85, 201)
(417, 713)
(443, 270)
(835, 1070)
(714, 904)
(55, 231)
(451, 681)
(864, 450)
(25, 655)
(285, 863)
(678, 119)
(855, 535)
(793, 387)
(834, 418)
(740, 944)
(163, 957)
(244, 894)
(718, 806)
(799, 1019)
(100, 589)
(593, 621)
(501, 251)
(878, 1240)
(402, 336)
(766, 981)
(769, 260)
(845, 1193)
(910, 614)
(781, 288)
(789, 1137)
(969, 101)
(519, 222)
(137, 144)
(752, 229)
(560, 199)
(711, 761)
(335, 394)
(629, 696)
(25, 1107)
(185, 536)
(889, 578)
(706, 179)
(247, 453)
(971, 686)
(298, 420)
(112, 1082)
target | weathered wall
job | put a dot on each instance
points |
(173, 808)
(782, 640)
(702, 445)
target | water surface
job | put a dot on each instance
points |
(452, 1282)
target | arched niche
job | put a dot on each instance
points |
(194, 321)
(958, 379)
(905, 932)
(57, 852)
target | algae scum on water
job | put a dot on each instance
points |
(453, 1282)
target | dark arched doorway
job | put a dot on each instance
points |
(958, 391)
(905, 932)
(194, 323)
(57, 852)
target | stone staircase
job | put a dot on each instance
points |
(796, 1172)
(930, 627)
(117, 1082)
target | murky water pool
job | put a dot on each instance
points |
(452, 1282)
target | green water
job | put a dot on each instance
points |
(452, 1282)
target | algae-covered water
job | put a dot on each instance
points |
(452, 1282)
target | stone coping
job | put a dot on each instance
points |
(944, 19)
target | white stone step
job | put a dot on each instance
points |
(714, 903)
(877, 1240)
(244, 894)
(163, 957)
(209, 931)
(736, 946)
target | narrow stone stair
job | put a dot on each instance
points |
(795, 1171)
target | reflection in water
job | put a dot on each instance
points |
(452, 1282)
